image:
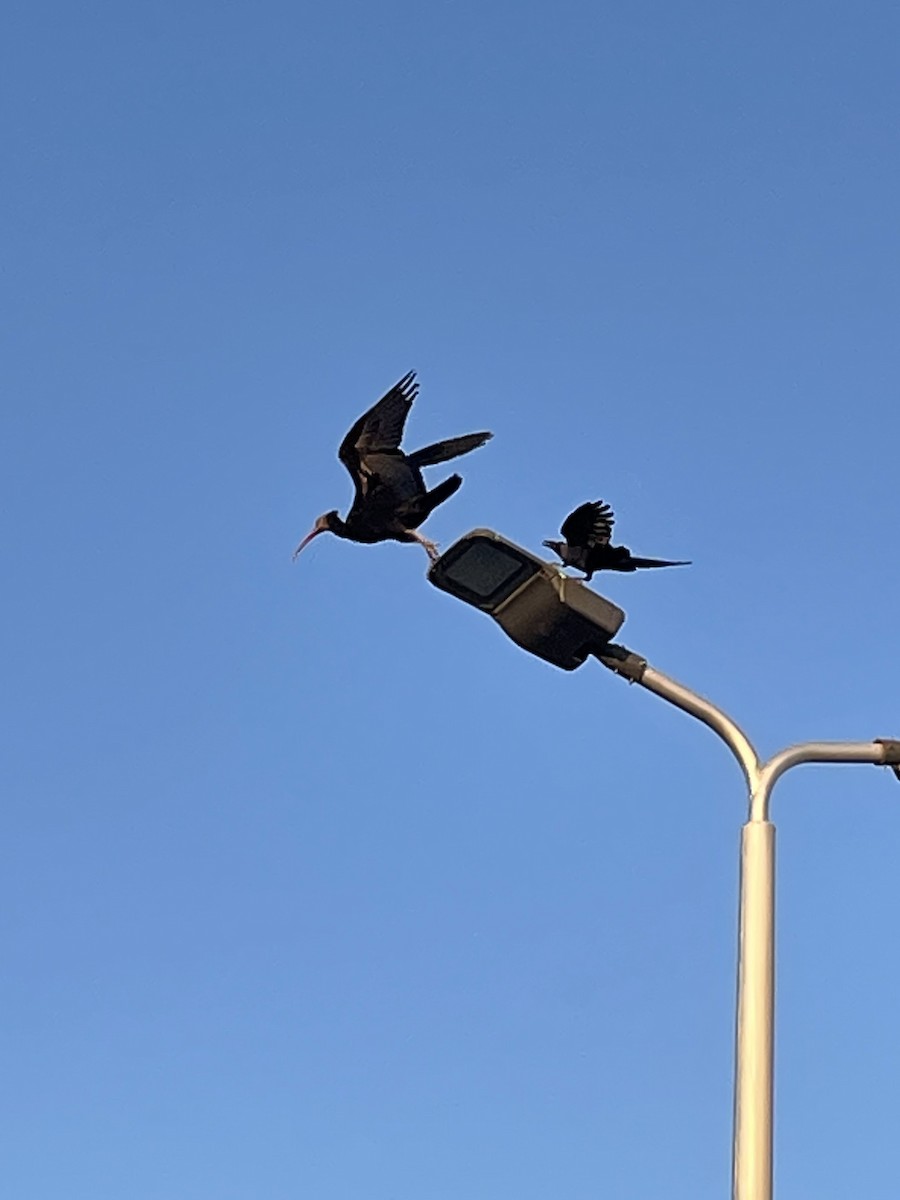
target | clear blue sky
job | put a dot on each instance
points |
(312, 884)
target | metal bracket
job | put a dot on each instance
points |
(891, 754)
(624, 662)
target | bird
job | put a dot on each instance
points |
(587, 530)
(391, 499)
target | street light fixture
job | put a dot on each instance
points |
(534, 602)
(564, 622)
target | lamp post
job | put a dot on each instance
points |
(755, 1024)
(563, 621)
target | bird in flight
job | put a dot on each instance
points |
(587, 548)
(391, 499)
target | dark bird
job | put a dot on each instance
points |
(391, 500)
(587, 531)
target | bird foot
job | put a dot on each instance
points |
(431, 548)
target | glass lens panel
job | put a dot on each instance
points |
(485, 568)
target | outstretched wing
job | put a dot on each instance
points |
(589, 525)
(380, 429)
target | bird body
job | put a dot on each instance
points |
(587, 532)
(391, 499)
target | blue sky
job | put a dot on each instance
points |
(313, 884)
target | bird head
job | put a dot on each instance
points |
(556, 547)
(327, 523)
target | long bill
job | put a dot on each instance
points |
(309, 537)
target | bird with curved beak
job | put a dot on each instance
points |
(587, 532)
(391, 499)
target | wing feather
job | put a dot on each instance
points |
(590, 524)
(381, 428)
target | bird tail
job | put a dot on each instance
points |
(635, 563)
(450, 448)
(442, 492)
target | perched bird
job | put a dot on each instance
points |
(587, 531)
(391, 500)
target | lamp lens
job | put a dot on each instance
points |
(487, 571)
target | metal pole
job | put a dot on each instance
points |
(752, 1142)
(754, 1037)
(755, 1023)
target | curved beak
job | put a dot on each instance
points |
(309, 537)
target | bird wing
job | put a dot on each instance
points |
(589, 525)
(380, 429)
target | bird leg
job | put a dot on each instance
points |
(430, 547)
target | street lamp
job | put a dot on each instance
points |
(536, 604)
(564, 622)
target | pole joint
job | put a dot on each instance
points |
(623, 661)
(890, 754)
